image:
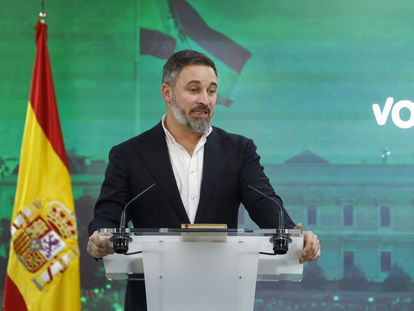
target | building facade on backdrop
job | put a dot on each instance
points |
(362, 213)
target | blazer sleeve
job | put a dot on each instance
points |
(115, 193)
(263, 211)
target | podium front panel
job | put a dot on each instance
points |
(197, 274)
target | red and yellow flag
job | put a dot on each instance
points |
(43, 267)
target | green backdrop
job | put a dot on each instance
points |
(304, 94)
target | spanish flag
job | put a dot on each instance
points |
(43, 267)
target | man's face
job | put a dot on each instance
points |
(193, 97)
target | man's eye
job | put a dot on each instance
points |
(193, 90)
(212, 91)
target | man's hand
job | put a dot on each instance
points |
(311, 246)
(97, 247)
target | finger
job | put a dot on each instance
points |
(98, 247)
(102, 253)
(314, 256)
(107, 239)
(310, 247)
(92, 249)
(314, 253)
(101, 239)
(299, 226)
(98, 252)
(309, 242)
(315, 245)
(94, 238)
(109, 244)
(318, 254)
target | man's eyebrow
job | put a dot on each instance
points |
(199, 82)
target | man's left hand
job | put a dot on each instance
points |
(311, 247)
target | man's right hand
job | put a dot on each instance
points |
(98, 247)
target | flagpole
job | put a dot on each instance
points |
(42, 13)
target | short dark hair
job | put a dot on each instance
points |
(181, 59)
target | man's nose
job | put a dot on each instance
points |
(203, 98)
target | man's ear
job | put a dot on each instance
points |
(166, 93)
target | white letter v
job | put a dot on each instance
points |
(382, 116)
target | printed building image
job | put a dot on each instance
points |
(362, 214)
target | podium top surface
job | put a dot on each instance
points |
(202, 231)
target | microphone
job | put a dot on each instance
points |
(281, 239)
(121, 239)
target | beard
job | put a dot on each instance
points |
(199, 125)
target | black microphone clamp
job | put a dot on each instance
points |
(280, 242)
(120, 241)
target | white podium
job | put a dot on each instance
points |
(204, 269)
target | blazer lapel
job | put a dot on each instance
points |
(154, 152)
(212, 167)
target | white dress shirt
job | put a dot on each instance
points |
(188, 170)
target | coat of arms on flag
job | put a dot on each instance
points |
(40, 231)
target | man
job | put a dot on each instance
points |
(201, 173)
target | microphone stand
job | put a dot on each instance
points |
(280, 239)
(121, 238)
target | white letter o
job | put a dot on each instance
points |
(395, 114)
